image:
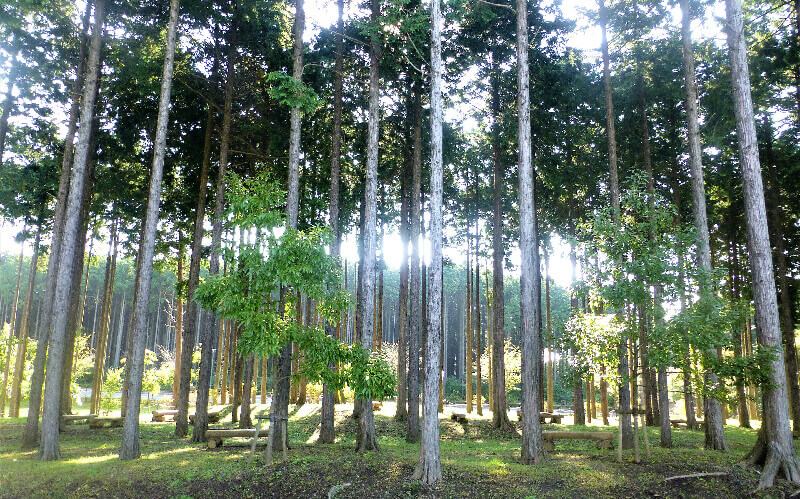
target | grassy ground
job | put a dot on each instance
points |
(478, 462)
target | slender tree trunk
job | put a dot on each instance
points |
(402, 300)
(469, 329)
(531, 304)
(366, 438)
(715, 436)
(379, 314)
(774, 448)
(500, 406)
(624, 400)
(176, 380)
(415, 320)
(10, 342)
(327, 432)
(49, 447)
(225, 331)
(279, 410)
(77, 298)
(247, 386)
(31, 432)
(22, 346)
(207, 326)
(550, 370)
(489, 337)
(478, 332)
(130, 432)
(429, 468)
(785, 300)
(105, 320)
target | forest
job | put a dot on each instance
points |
(281, 248)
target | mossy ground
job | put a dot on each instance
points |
(478, 462)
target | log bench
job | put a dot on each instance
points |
(74, 418)
(677, 422)
(159, 416)
(214, 415)
(603, 439)
(554, 418)
(214, 437)
(459, 417)
(101, 422)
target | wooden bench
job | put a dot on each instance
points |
(214, 415)
(74, 418)
(459, 417)
(159, 416)
(603, 439)
(214, 437)
(100, 422)
(554, 418)
(677, 422)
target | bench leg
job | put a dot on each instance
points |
(549, 446)
(214, 442)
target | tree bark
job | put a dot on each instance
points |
(785, 298)
(105, 320)
(31, 431)
(550, 370)
(402, 300)
(469, 329)
(176, 380)
(327, 431)
(77, 298)
(279, 410)
(531, 304)
(10, 342)
(247, 387)
(22, 346)
(478, 332)
(207, 325)
(500, 406)
(715, 436)
(774, 449)
(366, 438)
(130, 432)
(49, 447)
(415, 319)
(429, 468)
(624, 400)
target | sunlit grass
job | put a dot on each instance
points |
(90, 464)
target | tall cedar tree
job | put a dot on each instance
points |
(774, 449)
(326, 431)
(279, 410)
(30, 434)
(366, 438)
(207, 328)
(531, 303)
(49, 448)
(429, 468)
(130, 432)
